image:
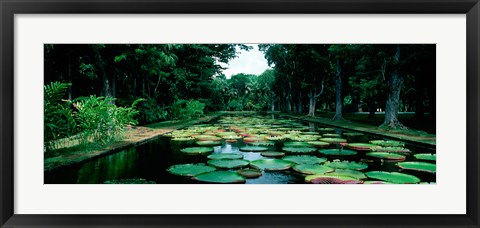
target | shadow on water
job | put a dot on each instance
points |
(151, 160)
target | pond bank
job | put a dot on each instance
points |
(133, 137)
(412, 136)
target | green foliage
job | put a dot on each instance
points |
(100, 121)
(183, 109)
(150, 112)
(58, 120)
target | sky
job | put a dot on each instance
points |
(248, 62)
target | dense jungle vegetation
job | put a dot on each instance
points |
(95, 90)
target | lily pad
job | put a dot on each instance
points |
(249, 173)
(338, 152)
(318, 144)
(208, 138)
(331, 179)
(325, 130)
(228, 163)
(388, 143)
(390, 149)
(276, 138)
(129, 181)
(261, 143)
(190, 169)
(387, 156)
(225, 177)
(360, 146)
(253, 148)
(312, 168)
(351, 173)
(297, 144)
(428, 157)
(209, 143)
(329, 135)
(394, 177)
(197, 150)
(299, 150)
(347, 165)
(183, 139)
(271, 164)
(273, 154)
(333, 140)
(418, 166)
(225, 156)
(305, 159)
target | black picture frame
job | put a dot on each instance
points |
(9, 8)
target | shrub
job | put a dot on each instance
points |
(183, 109)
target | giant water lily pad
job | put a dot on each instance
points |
(351, 173)
(208, 138)
(326, 130)
(390, 149)
(273, 154)
(428, 157)
(296, 144)
(250, 173)
(130, 181)
(388, 143)
(305, 159)
(253, 148)
(387, 156)
(225, 177)
(225, 156)
(338, 152)
(228, 163)
(347, 165)
(329, 178)
(261, 143)
(183, 139)
(271, 164)
(190, 169)
(418, 166)
(330, 135)
(394, 177)
(360, 146)
(333, 140)
(299, 150)
(318, 144)
(312, 168)
(209, 143)
(276, 138)
(197, 150)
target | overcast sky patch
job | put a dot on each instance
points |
(248, 62)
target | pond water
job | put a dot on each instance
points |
(151, 161)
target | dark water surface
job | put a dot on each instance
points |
(151, 160)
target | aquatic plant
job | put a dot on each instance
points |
(271, 164)
(223, 177)
(225, 156)
(418, 166)
(338, 152)
(253, 148)
(312, 168)
(394, 177)
(272, 154)
(228, 163)
(197, 150)
(190, 169)
(428, 157)
(305, 159)
(387, 156)
(347, 165)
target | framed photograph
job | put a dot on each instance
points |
(239, 113)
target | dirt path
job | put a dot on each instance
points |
(133, 137)
(412, 136)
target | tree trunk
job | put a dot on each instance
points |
(272, 97)
(338, 91)
(289, 97)
(300, 103)
(393, 100)
(311, 103)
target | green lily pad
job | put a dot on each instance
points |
(273, 154)
(225, 177)
(333, 140)
(183, 139)
(387, 156)
(312, 168)
(253, 148)
(318, 144)
(271, 164)
(249, 173)
(347, 165)
(353, 134)
(330, 135)
(351, 173)
(209, 143)
(377, 182)
(299, 150)
(428, 157)
(418, 166)
(190, 169)
(329, 178)
(296, 144)
(309, 133)
(276, 138)
(338, 152)
(225, 156)
(228, 163)
(360, 146)
(325, 130)
(305, 159)
(197, 150)
(208, 138)
(390, 149)
(388, 143)
(129, 181)
(394, 177)
(261, 143)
